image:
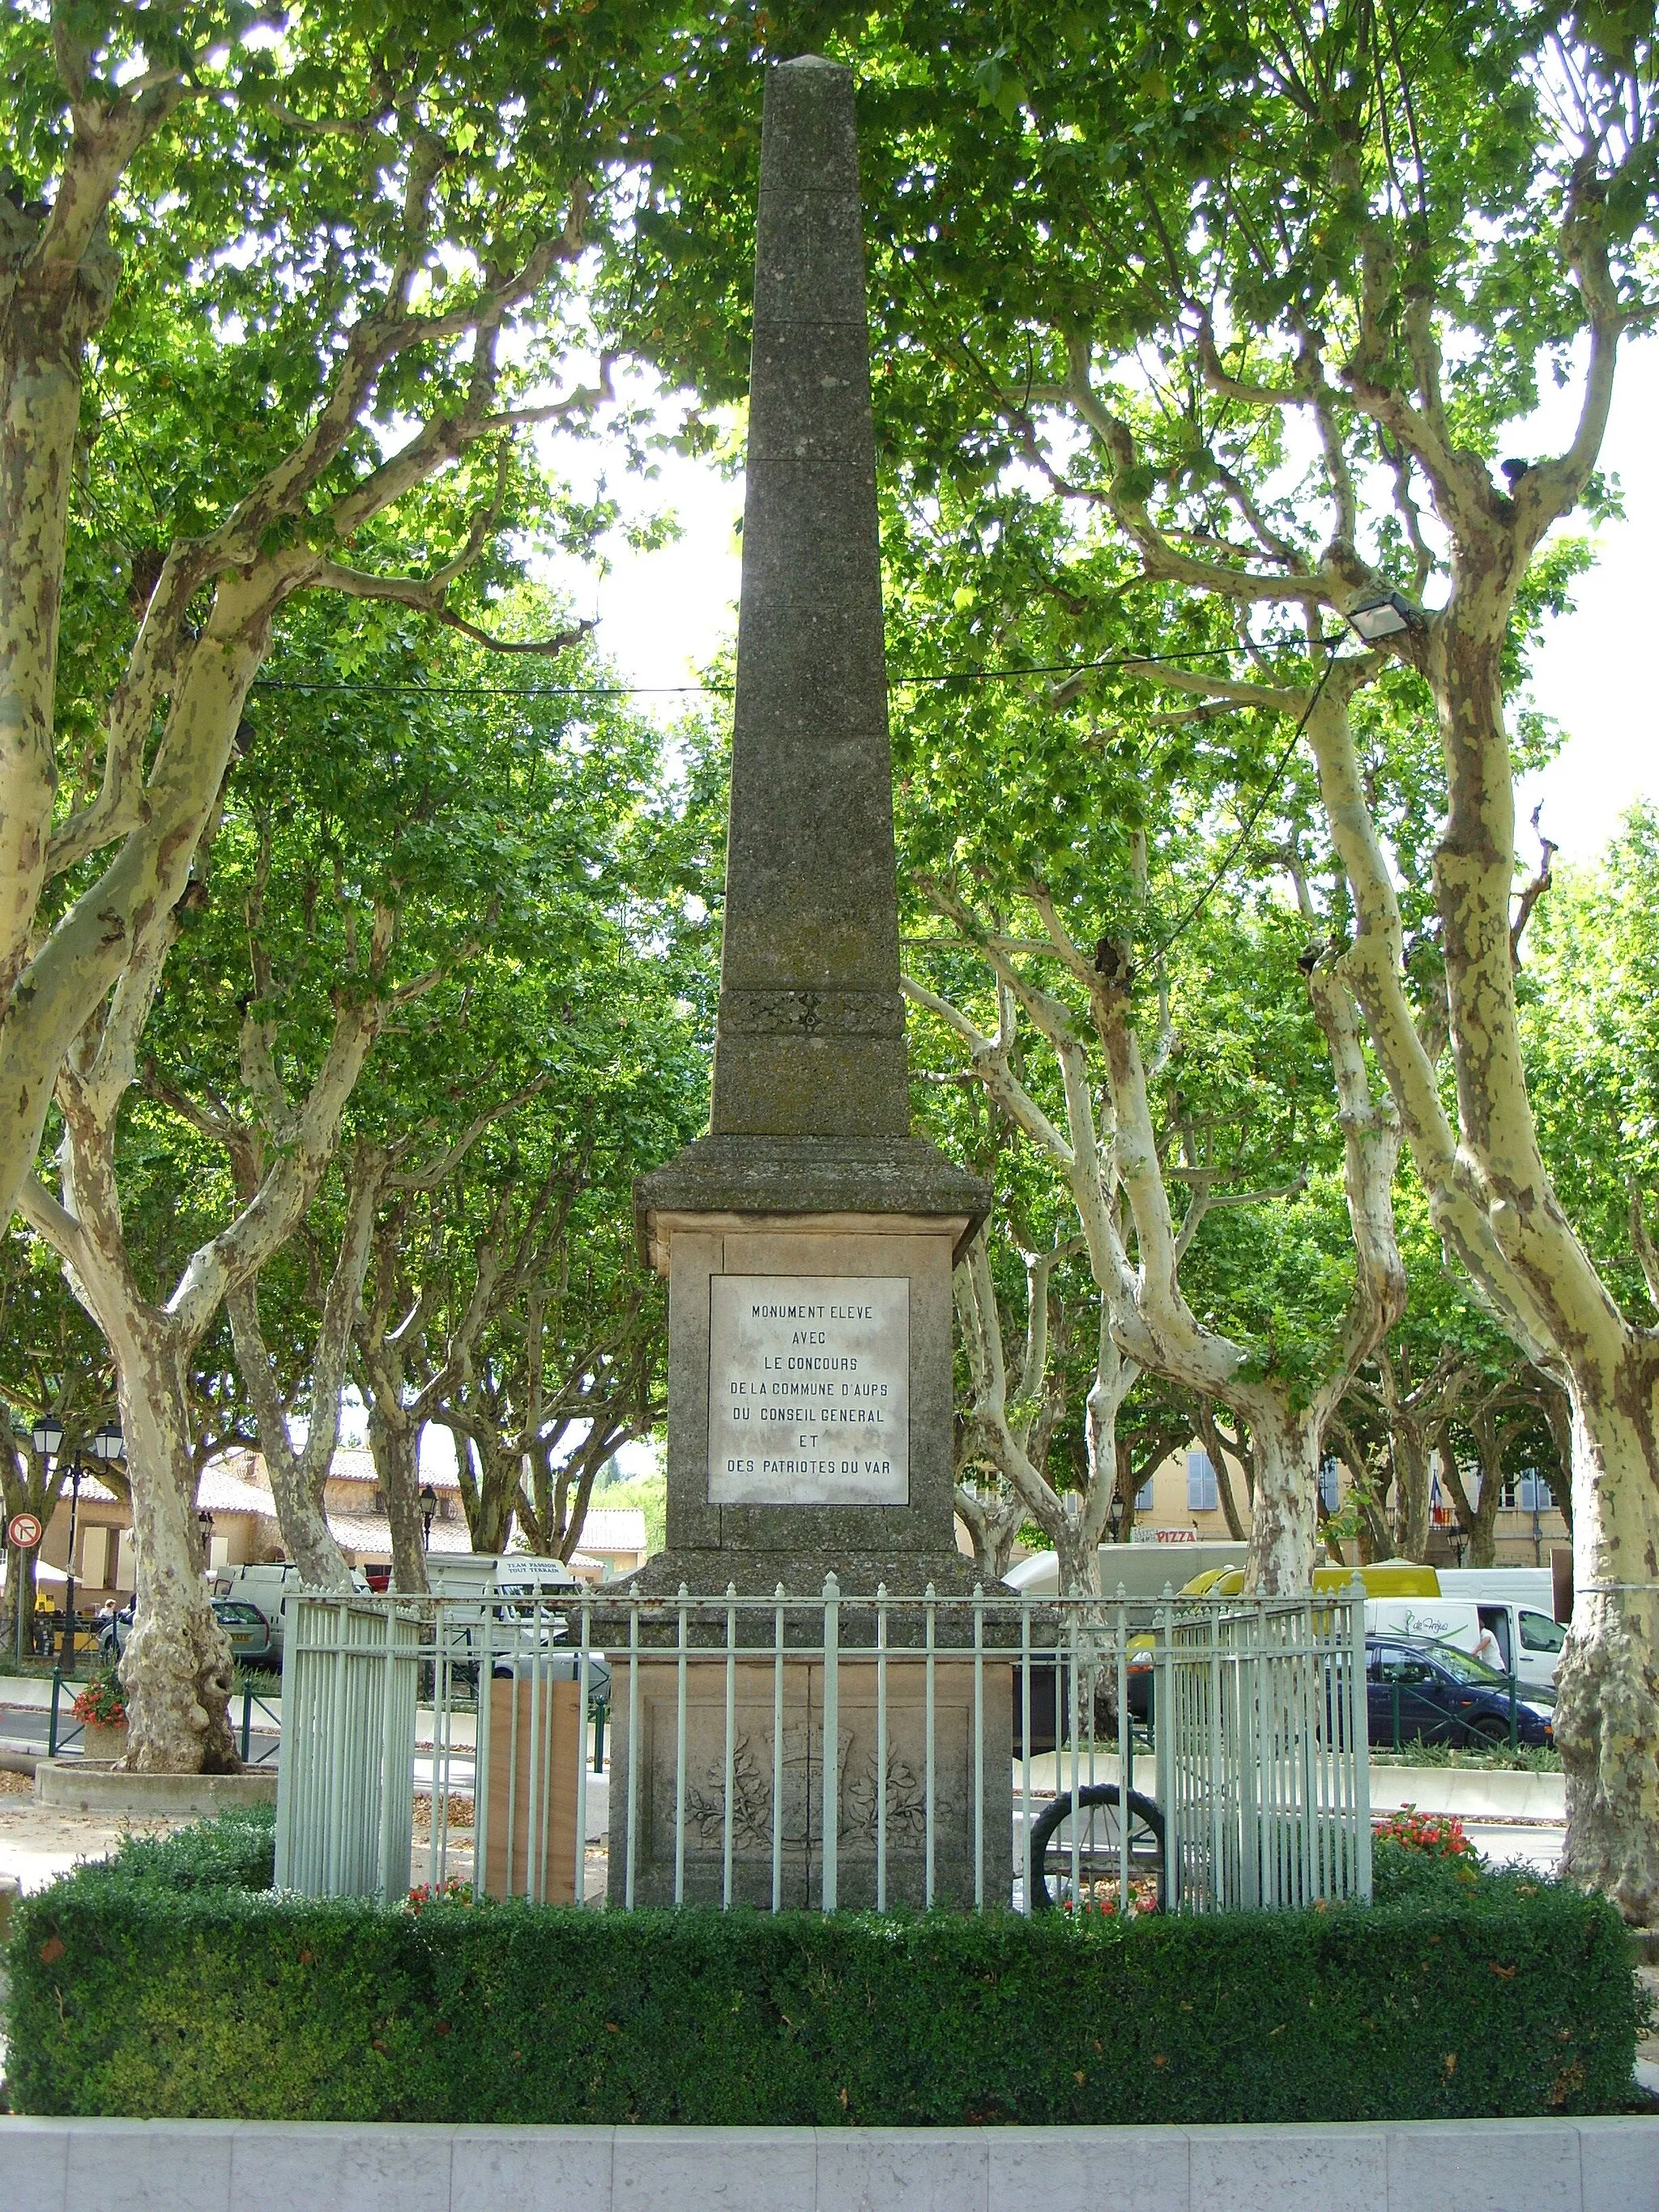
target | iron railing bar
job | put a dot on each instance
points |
(978, 1749)
(778, 1634)
(632, 1800)
(830, 1787)
(731, 1744)
(929, 1761)
(580, 1878)
(680, 1755)
(1023, 1870)
(881, 1747)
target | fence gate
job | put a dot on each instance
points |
(344, 1810)
(1263, 1753)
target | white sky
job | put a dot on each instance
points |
(662, 615)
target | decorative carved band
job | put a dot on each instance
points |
(812, 1013)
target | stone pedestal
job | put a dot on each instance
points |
(802, 1798)
(809, 1402)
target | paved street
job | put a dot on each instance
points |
(1536, 1846)
(29, 1726)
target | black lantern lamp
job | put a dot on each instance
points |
(429, 1512)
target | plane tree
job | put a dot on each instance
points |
(287, 294)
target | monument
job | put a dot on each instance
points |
(808, 1239)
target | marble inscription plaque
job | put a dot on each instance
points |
(808, 1390)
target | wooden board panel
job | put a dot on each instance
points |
(547, 1746)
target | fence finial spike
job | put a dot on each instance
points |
(731, 1590)
(831, 1586)
(881, 1592)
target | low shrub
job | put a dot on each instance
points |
(166, 1983)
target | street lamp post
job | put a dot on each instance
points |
(49, 1442)
(428, 1510)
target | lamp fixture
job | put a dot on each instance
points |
(109, 1443)
(48, 1437)
(1388, 615)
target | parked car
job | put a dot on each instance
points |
(1429, 1693)
(267, 1585)
(246, 1627)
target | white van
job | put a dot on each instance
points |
(1528, 1642)
(1517, 1604)
(267, 1584)
(512, 1574)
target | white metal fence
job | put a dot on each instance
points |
(836, 1750)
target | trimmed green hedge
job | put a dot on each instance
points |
(160, 1985)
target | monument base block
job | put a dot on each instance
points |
(971, 1763)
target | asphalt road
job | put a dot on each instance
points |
(27, 1727)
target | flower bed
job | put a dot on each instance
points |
(169, 1982)
(102, 1704)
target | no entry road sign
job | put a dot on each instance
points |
(24, 1531)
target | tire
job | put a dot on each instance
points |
(1050, 1856)
(1486, 1729)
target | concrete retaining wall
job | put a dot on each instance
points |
(74, 1786)
(205, 2165)
(1472, 1793)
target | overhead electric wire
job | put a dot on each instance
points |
(1256, 811)
(724, 690)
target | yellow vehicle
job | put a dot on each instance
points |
(1388, 1578)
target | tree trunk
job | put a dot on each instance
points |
(1285, 1517)
(52, 309)
(303, 1523)
(1411, 1490)
(490, 1488)
(20, 1599)
(993, 1525)
(1558, 1412)
(28, 1483)
(176, 1669)
(1607, 1714)
(1215, 1451)
(1480, 1525)
(394, 1442)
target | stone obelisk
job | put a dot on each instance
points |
(808, 1239)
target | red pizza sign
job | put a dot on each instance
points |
(24, 1530)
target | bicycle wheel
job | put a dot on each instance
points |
(1095, 1829)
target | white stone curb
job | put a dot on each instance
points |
(212, 2165)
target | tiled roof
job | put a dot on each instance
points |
(351, 1465)
(613, 1528)
(220, 1491)
(371, 1532)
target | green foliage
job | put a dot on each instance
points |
(1590, 992)
(164, 1983)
